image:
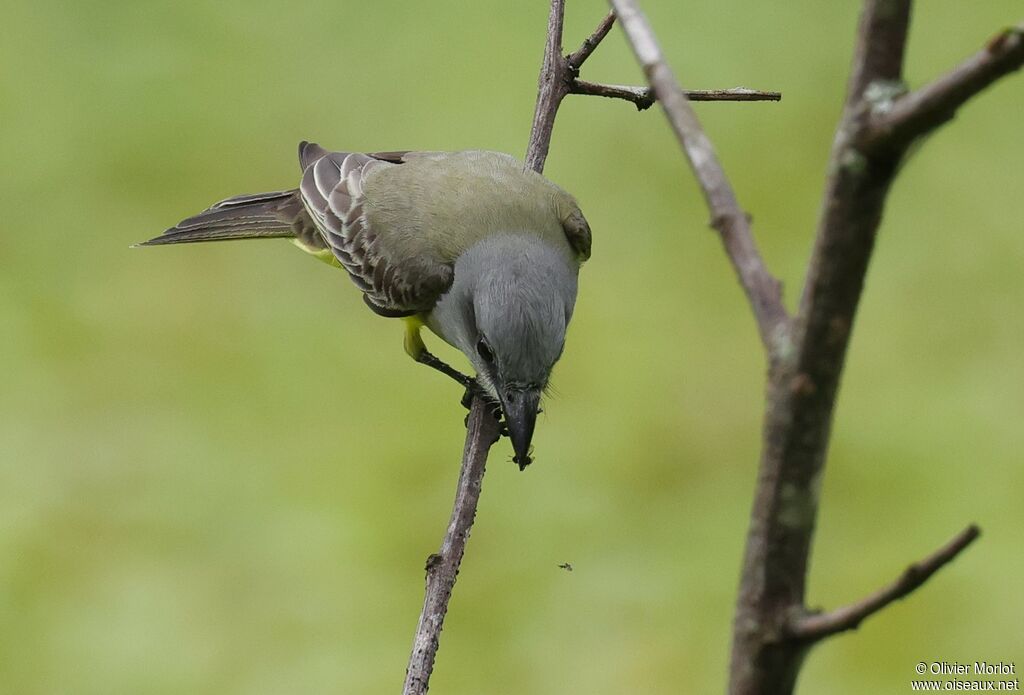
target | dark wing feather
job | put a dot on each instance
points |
(332, 193)
(309, 152)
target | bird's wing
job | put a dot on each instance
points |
(332, 193)
(577, 231)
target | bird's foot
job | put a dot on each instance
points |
(475, 390)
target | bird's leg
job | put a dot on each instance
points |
(415, 348)
(427, 358)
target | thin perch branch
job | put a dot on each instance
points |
(811, 628)
(481, 426)
(925, 109)
(643, 97)
(442, 568)
(553, 85)
(763, 291)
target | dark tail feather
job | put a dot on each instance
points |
(255, 216)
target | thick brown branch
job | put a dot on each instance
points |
(590, 44)
(763, 291)
(898, 122)
(644, 98)
(802, 387)
(811, 628)
(881, 43)
(442, 568)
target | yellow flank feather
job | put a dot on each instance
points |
(324, 255)
(414, 346)
(413, 341)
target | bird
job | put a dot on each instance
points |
(472, 245)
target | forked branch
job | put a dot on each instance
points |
(559, 77)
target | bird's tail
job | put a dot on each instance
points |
(254, 216)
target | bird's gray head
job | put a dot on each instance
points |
(508, 309)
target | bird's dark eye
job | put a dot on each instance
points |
(484, 351)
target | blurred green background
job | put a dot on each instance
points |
(220, 474)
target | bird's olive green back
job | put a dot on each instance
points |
(440, 204)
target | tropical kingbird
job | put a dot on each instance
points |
(471, 244)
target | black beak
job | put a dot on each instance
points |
(520, 407)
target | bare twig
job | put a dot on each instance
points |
(641, 97)
(442, 568)
(590, 44)
(644, 98)
(734, 94)
(898, 122)
(811, 628)
(763, 291)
